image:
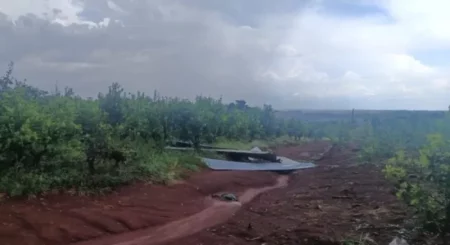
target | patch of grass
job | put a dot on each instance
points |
(166, 166)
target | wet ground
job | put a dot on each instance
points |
(338, 200)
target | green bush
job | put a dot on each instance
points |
(57, 140)
(423, 181)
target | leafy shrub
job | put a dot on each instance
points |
(57, 140)
(423, 181)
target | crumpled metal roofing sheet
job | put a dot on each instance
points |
(285, 165)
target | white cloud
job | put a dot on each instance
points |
(64, 12)
(425, 20)
(112, 5)
(311, 57)
(379, 54)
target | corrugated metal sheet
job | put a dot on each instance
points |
(285, 165)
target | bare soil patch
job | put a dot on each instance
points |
(337, 201)
(64, 219)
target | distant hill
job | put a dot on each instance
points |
(339, 115)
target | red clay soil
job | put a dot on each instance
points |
(218, 212)
(64, 219)
(335, 202)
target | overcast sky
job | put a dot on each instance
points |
(320, 54)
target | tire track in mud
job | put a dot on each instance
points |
(216, 213)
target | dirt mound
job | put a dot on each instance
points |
(337, 201)
(62, 219)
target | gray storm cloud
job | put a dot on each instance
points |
(177, 49)
(291, 54)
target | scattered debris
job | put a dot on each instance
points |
(254, 159)
(256, 149)
(229, 197)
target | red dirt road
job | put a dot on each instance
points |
(63, 219)
(336, 201)
(217, 213)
